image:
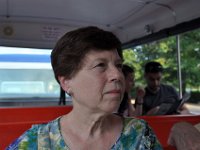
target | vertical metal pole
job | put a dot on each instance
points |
(179, 66)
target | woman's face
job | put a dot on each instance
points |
(99, 84)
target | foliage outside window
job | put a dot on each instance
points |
(165, 52)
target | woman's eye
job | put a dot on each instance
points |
(119, 66)
(100, 65)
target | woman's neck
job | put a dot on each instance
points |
(91, 125)
(93, 130)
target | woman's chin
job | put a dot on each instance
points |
(112, 109)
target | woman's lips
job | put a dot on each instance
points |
(113, 91)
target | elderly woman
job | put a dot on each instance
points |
(87, 63)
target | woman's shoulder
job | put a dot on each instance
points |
(132, 121)
(45, 128)
(132, 124)
(52, 126)
(30, 137)
(138, 132)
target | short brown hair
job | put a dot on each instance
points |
(68, 54)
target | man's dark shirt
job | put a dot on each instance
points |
(166, 96)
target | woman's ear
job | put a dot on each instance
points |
(64, 83)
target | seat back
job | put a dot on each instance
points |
(32, 113)
(15, 121)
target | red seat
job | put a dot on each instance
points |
(10, 131)
(32, 113)
(14, 121)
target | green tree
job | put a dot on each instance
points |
(190, 58)
(165, 52)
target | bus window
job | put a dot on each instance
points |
(26, 87)
(26, 76)
(165, 52)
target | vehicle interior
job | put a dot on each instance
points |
(30, 29)
(32, 25)
(39, 24)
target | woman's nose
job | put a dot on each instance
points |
(115, 74)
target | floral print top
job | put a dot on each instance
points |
(136, 135)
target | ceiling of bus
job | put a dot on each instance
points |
(39, 23)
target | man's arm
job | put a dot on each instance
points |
(140, 92)
(184, 136)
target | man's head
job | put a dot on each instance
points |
(153, 75)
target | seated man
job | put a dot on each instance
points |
(159, 98)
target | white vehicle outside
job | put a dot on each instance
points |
(26, 77)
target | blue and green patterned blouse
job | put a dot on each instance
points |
(136, 135)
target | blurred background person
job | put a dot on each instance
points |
(159, 98)
(127, 107)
